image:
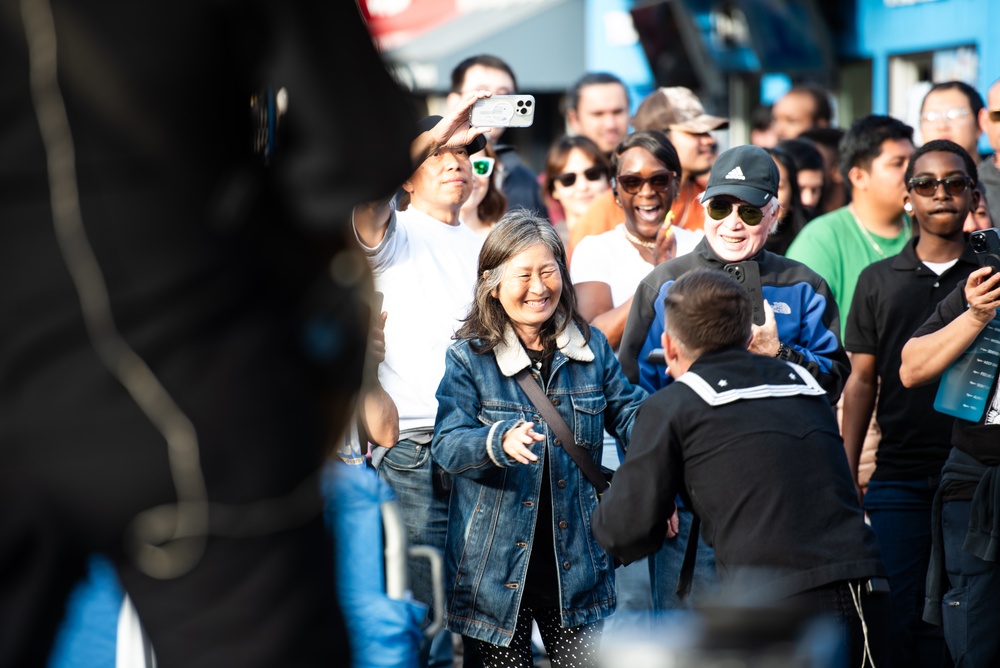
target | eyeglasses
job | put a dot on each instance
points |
(994, 115)
(632, 184)
(483, 166)
(946, 116)
(926, 186)
(719, 209)
(595, 173)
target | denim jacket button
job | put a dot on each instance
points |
(561, 484)
(555, 401)
(556, 442)
(566, 565)
(562, 524)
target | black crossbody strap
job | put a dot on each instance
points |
(561, 430)
(687, 567)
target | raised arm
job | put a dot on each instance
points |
(926, 357)
(371, 219)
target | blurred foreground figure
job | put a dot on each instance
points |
(171, 331)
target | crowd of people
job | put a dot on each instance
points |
(731, 329)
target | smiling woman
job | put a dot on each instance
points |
(503, 566)
(608, 267)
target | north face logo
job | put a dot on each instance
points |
(736, 174)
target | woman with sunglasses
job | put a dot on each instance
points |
(575, 173)
(487, 202)
(607, 267)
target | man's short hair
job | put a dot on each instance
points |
(592, 79)
(706, 309)
(863, 142)
(484, 60)
(829, 137)
(822, 109)
(947, 146)
(971, 94)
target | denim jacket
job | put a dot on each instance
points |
(492, 514)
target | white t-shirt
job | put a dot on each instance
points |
(611, 258)
(427, 271)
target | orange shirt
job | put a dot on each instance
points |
(604, 214)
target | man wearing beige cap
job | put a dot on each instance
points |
(677, 112)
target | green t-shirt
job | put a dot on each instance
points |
(834, 246)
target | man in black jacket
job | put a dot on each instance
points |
(751, 445)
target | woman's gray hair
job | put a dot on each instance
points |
(514, 233)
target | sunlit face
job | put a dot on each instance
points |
(646, 209)
(940, 214)
(991, 127)
(697, 151)
(946, 114)
(530, 290)
(784, 188)
(576, 198)
(601, 115)
(732, 239)
(883, 183)
(792, 115)
(442, 182)
(810, 187)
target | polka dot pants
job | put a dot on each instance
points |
(575, 647)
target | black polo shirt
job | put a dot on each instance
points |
(893, 297)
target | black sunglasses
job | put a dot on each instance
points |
(632, 184)
(718, 209)
(595, 173)
(926, 186)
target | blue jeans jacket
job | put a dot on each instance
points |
(491, 521)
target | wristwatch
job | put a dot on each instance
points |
(784, 352)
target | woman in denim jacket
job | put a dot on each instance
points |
(519, 543)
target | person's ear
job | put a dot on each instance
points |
(573, 120)
(858, 178)
(452, 100)
(977, 198)
(408, 186)
(907, 204)
(984, 120)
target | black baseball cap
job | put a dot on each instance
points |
(428, 122)
(745, 172)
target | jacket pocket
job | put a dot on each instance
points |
(588, 413)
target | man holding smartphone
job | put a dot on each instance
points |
(425, 261)
(486, 72)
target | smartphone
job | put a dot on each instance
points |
(504, 111)
(986, 246)
(747, 274)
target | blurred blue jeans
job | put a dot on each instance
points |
(900, 514)
(406, 467)
(665, 568)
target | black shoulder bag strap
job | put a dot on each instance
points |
(687, 566)
(562, 431)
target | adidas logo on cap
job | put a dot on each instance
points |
(736, 174)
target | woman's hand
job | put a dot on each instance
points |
(764, 338)
(518, 441)
(666, 244)
(983, 294)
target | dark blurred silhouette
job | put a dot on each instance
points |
(173, 336)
